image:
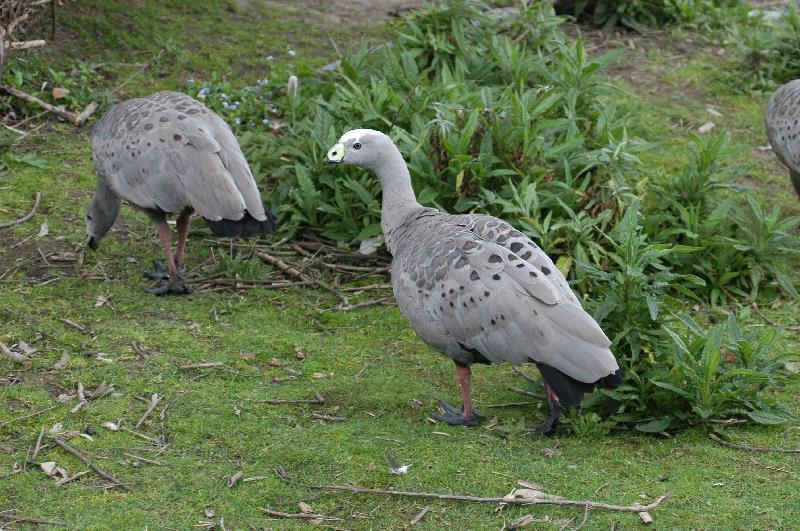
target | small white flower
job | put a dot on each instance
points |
(225, 104)
(292, 53)
(223, 96)
(265, 121)
(270, 58)
(238, 121)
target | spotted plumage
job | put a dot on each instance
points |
(782, 121)
(169, 154)
(478, 290)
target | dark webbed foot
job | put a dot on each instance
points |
(160, 271)
(176, 286)
(552, 421)
(455, 417)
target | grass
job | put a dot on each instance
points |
(367, 363)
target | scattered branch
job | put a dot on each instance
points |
(554, 500)
(26, 217)
(201, 365)
(316, 399)
(86, 461)
(723, 442)
(14, 519)
(297, 274)
(301, 516)
(420, 515)
(16, 356)
(69, 116)
(155, 399)
(76, 326)
(527, 393)
(29, 415)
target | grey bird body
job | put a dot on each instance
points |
(169, 154)
(782, 121)
(479, 291)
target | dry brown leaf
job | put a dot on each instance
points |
(60, 92)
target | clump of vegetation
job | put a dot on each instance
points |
(644, 15)
(765, 51)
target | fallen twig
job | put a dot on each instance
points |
(420, 515)
(76, 326)
(201, 365)
(155, 399)
(38, 446)
(301, 516)
(527, 393)
(71, 117)
(634, 508)
(26, 217)
(322, 416)
(16, 356)
(382, 300)
(316, 399)
(86, 461)
(22, 520)
(294, 272)
(723, 442)
(509, 404)
(235, 479)
(143, 459)
(524, 375)
(29, 415)
(9, 474)
(68, 479)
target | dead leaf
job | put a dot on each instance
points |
(275, 362)
(299, 354)
(305, 508)
(62, 362)
(370, 245)
(100, 301)
(44, 230)
(235, 479)
(49, 467)
(706, 127)
(60, 92)
(713, 111)
(208, 512)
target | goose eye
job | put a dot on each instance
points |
(357, 145)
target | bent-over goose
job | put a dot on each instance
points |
(479, 291)
(169, 154)
(782, 121)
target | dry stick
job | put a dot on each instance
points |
(201, 365)
(420, 516)
(69, 116)
(16, 356)
(509, 404)
(527, 393)
(29, 415)
(524, 375)
(38, 446)
(294, 272)
(27, 216)
(9, 474)
(362, 304)
(64, 481)
(76, 326)
(301, 516)
(723, 442)
(316, 399)
(85, 460)
(22, 520)
(143, 459)
(25, 45)
(154, 401)
(635, 508)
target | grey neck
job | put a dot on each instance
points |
(398, 195)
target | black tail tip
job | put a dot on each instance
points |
(612, 380)
(244, 228)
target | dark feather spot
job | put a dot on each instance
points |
(465, 304)
(441, 309)
(451, 304)
(513, 258)
(461, 287)
(181, 117)
(496, 276)
(520, 265)
(474, 276)
(452, 291)
(461, 262)
(495, 259)
(443, 294)
(502, 317)
(472, 300)
(533, 274)
(176, 137)
(163, 119)
(546, 270)
(486, 294)
(147, 127)
(526, 255)
(515, 247)
(469, 245)
(494, 322)
(192, 111)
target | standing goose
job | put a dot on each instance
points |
(782, 120)
(479, 291)
(169, 154)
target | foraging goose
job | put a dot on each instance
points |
(169, 154)
(479, 291)
(782, 121)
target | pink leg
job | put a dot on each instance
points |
(164, 234)
(551, 395)
(183, 231)
(463, 374)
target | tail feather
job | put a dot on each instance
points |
(245, 227)
(569, 390)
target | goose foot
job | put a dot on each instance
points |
(552, 421)
(160, 271)
(455, 417)
(166, 286)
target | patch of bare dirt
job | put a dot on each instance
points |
(349, 12)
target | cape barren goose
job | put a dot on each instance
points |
(782, 120)
(169, 154)
(479, 291)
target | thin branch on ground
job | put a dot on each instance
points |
(527, 393)
(155, 399)
(294, 272)
(16, 356)
(77, 326)
(27, 216)
(201, 365)
(29, 415)
(555, 500)
(723, 442)
(86, 461)
(316, 399)
(300, 516)
(69, 116)
(14, 519)
(509, 404)
(525, 375)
